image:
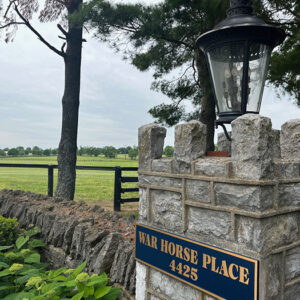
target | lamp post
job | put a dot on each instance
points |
(238, 50)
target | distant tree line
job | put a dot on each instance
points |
(107, 151)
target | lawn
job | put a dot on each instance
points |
(91, 186)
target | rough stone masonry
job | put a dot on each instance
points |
(248, 203)
(74, 232)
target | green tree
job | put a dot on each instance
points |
(47, 152)
(21, 150)
(36, 151)
(20, 13)
(133, 153)
(27, 150)
(13, 152)
(110, 152)
(169, 151)
(2, 152)
(163, 39)
(285, 63)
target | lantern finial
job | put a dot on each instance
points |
(239, 7)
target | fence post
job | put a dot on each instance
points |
(50, 180)
(117, 194)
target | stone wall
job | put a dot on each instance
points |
(74, 232)
(248, 203)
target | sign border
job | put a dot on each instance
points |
(256, 262)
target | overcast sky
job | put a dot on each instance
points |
(115, 96)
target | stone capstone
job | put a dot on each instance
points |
(216, 167)
(151, 144)
(252, 147)
(223, 143)
(290, 139)
(190, 144)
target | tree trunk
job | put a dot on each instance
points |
(208, 113)
(70, 106)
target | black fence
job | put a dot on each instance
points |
(118, 190)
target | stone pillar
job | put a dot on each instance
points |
(248, 204)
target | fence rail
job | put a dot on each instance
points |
(118, 190)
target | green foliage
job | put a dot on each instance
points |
(9, 230)
(169, 151)
(13, 152)
(2, 152)
(23, 276)
(133, 153)
(110, 152)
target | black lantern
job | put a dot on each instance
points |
(238, 50)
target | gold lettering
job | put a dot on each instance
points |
(142, 237)
(213, 265)
(148, 240)
(194, 257)
(223, 269)
(154, 242)
(172, 248)
(187, 255)
(206, 261)
(164, 246)
(244, 272)
(179, 250)
(230, 270)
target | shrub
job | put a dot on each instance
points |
(23, 276)
(9, 229)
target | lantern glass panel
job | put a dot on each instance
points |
(258, 65)
(226, 66)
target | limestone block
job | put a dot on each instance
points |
(119, 266)
(198, 190)
(171, 288)
(275, 143)
(292, 263)
(290, 139)
(270, 274)
(141, 272)
(252, 148)
(151, 144)
(166, 209)
(104, 252)
(292, 292)
(223, 143)
(152, 297)
(209, 222)
(160, 181)
(190, 144)
(286, 169)
(263, 235)
(162, 165)
(143, 204)
(254, 198)
(216, 166)
(210, 297)
(289, 194)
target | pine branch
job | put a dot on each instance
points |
(27, 23)
(12, 23)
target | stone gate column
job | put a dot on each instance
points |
(227, 214)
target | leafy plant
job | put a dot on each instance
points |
(9, 229)
(24, 277)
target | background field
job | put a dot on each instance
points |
(91, 186)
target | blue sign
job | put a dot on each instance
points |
(219, 273)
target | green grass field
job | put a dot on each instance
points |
(91, 186)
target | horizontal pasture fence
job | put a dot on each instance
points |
(119, 179)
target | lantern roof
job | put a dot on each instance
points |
(239, 25)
